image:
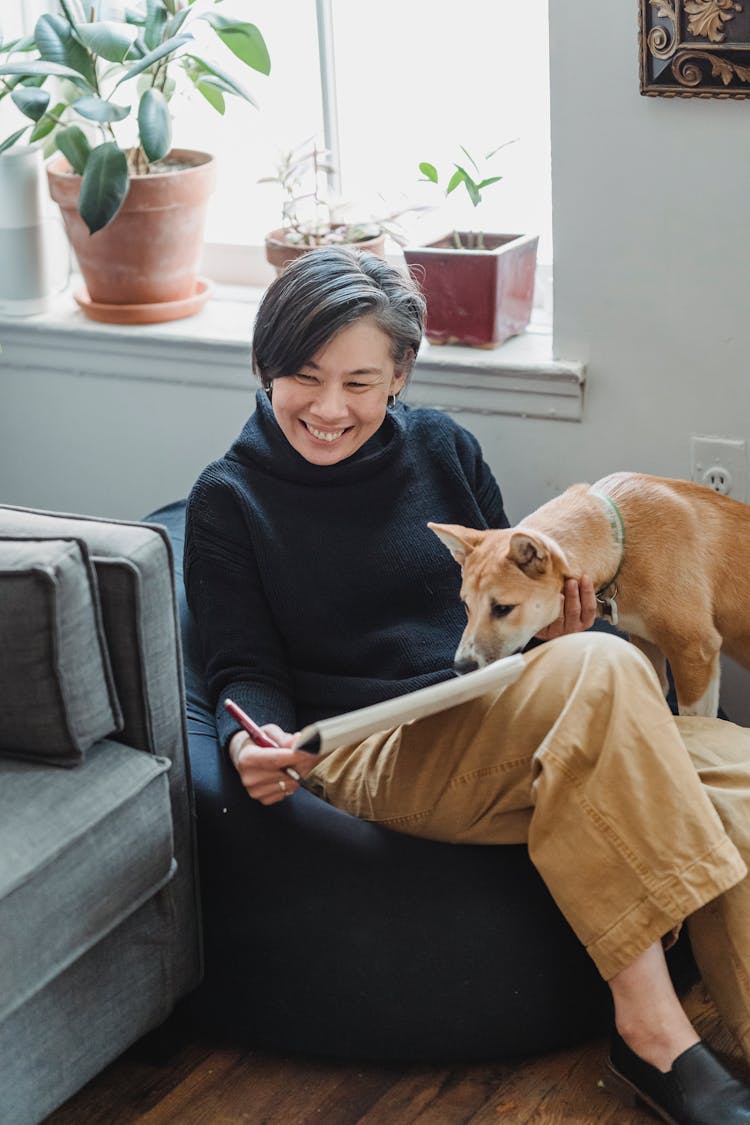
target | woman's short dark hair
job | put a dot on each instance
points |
(328, 289)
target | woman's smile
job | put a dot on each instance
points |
(328, 436)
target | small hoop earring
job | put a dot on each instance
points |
(392, 401)
(268, 388)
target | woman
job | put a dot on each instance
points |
(317, 588)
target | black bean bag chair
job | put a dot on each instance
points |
(328, 935)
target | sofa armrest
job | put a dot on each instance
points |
(134, 576)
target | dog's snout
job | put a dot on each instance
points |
(465, 665)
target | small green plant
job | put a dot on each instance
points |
(474, 184)
(93, 63)
(310, 214)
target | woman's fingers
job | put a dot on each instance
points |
(571, 606)
(271, 792)
(262, 770)
(278, 735)
(268, 788)
(577, 609)
(587, 595)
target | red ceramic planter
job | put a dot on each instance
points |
(476, 297)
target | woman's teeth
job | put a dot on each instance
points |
(324, 435)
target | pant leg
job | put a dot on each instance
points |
(582, 758)
(720, 931)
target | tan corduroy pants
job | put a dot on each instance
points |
(635, 820)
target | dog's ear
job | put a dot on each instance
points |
(529, 552)
(460, 541)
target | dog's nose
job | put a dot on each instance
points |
(463, 666)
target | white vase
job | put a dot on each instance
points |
(30, 241)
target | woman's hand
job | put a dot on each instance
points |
(577, 609)
(261, 769)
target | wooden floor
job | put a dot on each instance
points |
(200, 1084)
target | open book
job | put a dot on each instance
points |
(342, 730)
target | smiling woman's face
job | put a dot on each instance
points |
(337, 401)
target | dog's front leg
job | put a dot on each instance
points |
(696, 671)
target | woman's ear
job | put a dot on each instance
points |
(398, 382)
(402, 372)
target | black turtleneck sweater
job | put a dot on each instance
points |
(319, 589)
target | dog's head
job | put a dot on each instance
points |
(511, 586)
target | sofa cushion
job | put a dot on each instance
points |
(80, 850)
(57, 695)
(134, 577)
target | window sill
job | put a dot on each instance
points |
(212, 349)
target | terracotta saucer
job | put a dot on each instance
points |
(154, 313)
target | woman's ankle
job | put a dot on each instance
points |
(658, 1041)
(648, 1013)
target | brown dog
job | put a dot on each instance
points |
(670, 561)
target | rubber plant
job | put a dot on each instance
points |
(115, 67)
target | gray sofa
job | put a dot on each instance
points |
(99, 913)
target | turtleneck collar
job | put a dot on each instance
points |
(262, 443)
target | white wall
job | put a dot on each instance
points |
(652, 274)
(105, 446)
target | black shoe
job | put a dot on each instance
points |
(696, 1091)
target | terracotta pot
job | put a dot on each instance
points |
(279, 251)
(150, 251)
(476, 297)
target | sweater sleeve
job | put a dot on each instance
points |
(243, 653)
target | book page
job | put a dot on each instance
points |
(353, 726)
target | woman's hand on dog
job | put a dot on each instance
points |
(261, 769)
(577, 609)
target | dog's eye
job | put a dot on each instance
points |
(501, 610)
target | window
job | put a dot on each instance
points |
(416, 79)
(427, 76)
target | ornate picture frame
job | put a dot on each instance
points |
(695, 48)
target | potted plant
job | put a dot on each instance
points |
(312, 217)
(478, 286)
(134, 210)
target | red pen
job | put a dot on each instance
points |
(258, 736)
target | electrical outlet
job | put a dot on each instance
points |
(720, 463)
